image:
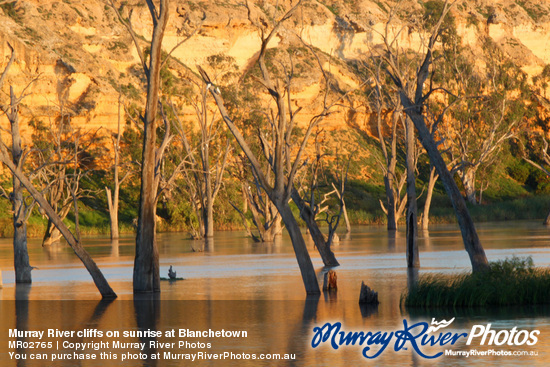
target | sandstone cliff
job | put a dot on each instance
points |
(83, 56)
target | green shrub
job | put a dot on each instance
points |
(519, 171)
(538, 181)
(512, 281)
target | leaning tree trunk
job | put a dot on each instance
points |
(467, 227)
(98, 278)
(318, 237)
(20, 252)
(431, 184)
(302, 256)
(412, 210)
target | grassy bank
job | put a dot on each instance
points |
(508, 282)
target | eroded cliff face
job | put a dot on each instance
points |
(82, 55)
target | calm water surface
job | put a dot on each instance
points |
(234, 283)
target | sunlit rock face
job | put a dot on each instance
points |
(82, 56)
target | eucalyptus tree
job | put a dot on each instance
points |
(490, 107)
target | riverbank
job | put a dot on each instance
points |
(96, 222)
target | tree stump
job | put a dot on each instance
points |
(330, 281)
(367, 295)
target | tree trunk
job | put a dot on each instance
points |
(20, 252)
(469, 181)
(348, 225)
(146, 264)
(112, 203)
(302, 256)
(318, 237)
(344, 210)
(52, 234)
(209, 212)
(467, 227)
(390, 203)
(547, 220)
(431, 184)
(412, 210)
(277, 227)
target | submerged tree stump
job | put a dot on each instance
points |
(171, 273)
(367, 295)
(330, 281)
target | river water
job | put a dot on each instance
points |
(235, 284)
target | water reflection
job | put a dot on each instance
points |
(241, 285)
(22, 317)
(115, 251)
(147, 313)
(368, 310)
(392, 240)
(412, 277)
(425, 238)
(272, 326)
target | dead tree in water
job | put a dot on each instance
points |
(205, 168)
(393, 184)
(98, 278)
(265, 216)
(146, 264)
(413, 104)
(21, 207)
(413, 260)
(57, 146)
(278, 153)
(317, 203)
(113, 192)
(279, 193)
